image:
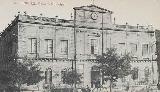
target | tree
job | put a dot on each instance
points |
(114, 66)
(70, 76)
(18, 73)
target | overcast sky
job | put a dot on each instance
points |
(142, 12)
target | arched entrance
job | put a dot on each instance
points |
(95, 77)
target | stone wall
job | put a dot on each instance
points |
(41, 33)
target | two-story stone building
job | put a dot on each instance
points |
(53, 43)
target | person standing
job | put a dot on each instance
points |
(88, 89)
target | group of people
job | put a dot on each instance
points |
(94, 84)
(87, 89)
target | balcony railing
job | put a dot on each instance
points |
(133, 28)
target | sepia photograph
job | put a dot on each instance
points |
(79, 45)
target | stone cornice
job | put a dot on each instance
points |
(69, 23)
(79, 60)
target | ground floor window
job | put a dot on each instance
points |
(48, 76)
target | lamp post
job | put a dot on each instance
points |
(102, 35)
(74, 61)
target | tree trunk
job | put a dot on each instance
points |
(19, 88)
(73, 86)
(110, 85)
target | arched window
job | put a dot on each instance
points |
(146, 73)
(63, 75)
(95, 76)
(48, 76)
(135, 73)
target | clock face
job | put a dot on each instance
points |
(94, 15)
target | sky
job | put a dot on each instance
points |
(142, 12)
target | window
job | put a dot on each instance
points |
(48, 76)
(33, 44)
(64, 47)
(135, 73)
(133, 48)
(49, 45)
(144, 49)
(63, 76)
(147, 74)
(80, 68)
(93, 46)
(152, 48)
(121, 48)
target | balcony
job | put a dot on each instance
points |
(133, 28)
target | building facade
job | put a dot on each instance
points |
(157, 32)
(55, 43)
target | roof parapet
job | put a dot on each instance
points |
(89, 8)
(42, 20)
(134, 28)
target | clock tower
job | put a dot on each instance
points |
(92, 16)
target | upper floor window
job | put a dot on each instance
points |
(121, 48)
(144, 49)
(64, 47)
(33, 45)
(133, 48)
(49, 45)
(93, 46)
(152, 48)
